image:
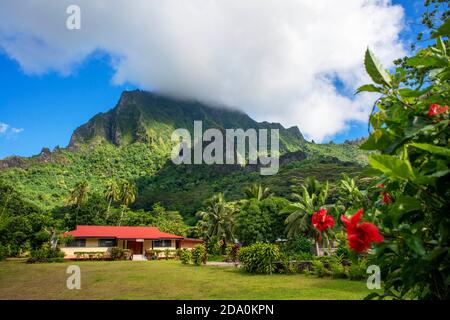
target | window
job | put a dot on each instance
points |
(162, 243)
(77, 243)
(106, 242)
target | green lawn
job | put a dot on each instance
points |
(164, 280)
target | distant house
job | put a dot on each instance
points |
(100, 239)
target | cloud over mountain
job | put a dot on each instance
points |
(293, 61)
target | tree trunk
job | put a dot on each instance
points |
(109, 208)
(121, 215)
(317, 248)
(54, 240)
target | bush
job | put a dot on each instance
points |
(3, 252)
(410, 157)
(90, 255)
(299, 246)
(337, 270)
(318, 269)
(342, 252)
(178, 253)
(357, 270)
(287, 266)
(116, 253)
(185, 256)
(46, 254)
(260, 258)
(214, 245)
(199, 255)
(304, 267)
(232, 252)
(167, 254)
(151, 254)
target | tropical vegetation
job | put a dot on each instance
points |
(332, 210)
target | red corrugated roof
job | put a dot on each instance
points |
(121, 232)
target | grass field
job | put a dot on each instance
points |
(164, 280)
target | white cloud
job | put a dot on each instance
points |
(3, 128)
(17, 130)
(8, 131)
(276, 60)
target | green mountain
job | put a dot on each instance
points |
(146, 117)
(132, 141)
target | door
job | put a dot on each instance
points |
(135, 246)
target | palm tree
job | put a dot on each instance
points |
(78, 195)
(112, 193)
(128, 194)
(217, 219)
(258, 192)
(312, 197)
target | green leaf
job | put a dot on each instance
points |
(409, 93)
(443, 30)
(415, 243)
(443, 151)
(368, 88)
(440, 44)
(432, 148)
(375, 69)
(392, 166)
(292, 208)
(378, 140)
(405, 204)
(427, 61)
(422, 179)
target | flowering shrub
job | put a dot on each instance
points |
(411, 136)
(321, 221)
(360, 235)
(436, 109)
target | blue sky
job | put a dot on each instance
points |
(50, 106)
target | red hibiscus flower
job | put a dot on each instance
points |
(436, 109)
(386, 198)
(361, 235)
(321, 221)
(381, 186)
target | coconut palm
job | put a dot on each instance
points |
(217, 219)
(128, 193)
(112, 193)
(257, 191)
(78, 195)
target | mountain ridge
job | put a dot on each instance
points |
(131, 120)
(132, 142)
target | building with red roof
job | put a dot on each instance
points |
(138, 240)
